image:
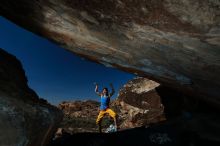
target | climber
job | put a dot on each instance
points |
(104, 107)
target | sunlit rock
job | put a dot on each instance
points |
(139, 104)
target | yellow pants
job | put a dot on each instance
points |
(102, 113)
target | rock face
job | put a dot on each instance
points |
(173, 42)
(26, 120)
(144, 102)
(139, 104)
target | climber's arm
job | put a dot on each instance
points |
(97, 90)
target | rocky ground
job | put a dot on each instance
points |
(167, 134)
(79, 116)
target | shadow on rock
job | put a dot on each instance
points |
(164, 134)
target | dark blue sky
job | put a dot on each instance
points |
(54, 73)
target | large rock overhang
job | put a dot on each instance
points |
(174, 43)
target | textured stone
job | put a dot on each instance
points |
(173, 42)
(25, 119)
(139, 104)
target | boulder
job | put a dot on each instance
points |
(142, 102)
(175, 43)
(138, 104)
(26, 120)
